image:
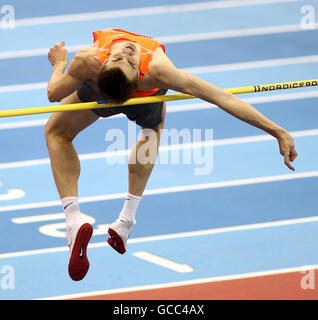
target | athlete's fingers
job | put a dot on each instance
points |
(60, 44)
(286, 159)
(293, 153)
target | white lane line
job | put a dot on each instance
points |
(186, 282)
(23, 124)
(135, 12)
(24, 87)
(163, 262)
(27, 163)
(163, 148)
(234, 33)
(195, 187)
(39, 218)
(198, 233)
(180, 108)
(265, 137)
(252, 64)
(36, 52)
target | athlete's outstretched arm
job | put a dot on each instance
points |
(169, 77)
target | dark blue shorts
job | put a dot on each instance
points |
(145, 115)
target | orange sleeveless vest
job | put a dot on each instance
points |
(105, 39)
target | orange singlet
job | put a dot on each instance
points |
(105, 39)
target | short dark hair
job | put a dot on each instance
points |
(115, 85)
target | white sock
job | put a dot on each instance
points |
(72, 212)
(130, 207)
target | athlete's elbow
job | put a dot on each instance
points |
(52, 96)
(226, 95)
(228, 98)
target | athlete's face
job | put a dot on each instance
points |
(125, 55)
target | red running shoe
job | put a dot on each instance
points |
(77, 242)
(119, 232)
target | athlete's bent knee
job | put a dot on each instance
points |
(55, 130)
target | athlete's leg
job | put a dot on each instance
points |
(60, 131)
(142, 159)
(141, 163)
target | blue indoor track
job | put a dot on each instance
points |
(250, 213)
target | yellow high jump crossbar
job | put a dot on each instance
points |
(152, 99)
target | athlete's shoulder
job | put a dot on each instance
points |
(86, 52)
(158, 61)
(158, 66)
(85, 62)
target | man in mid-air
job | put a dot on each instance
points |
(120, 65)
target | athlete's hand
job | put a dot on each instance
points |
(58, 54)
(287, 149)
